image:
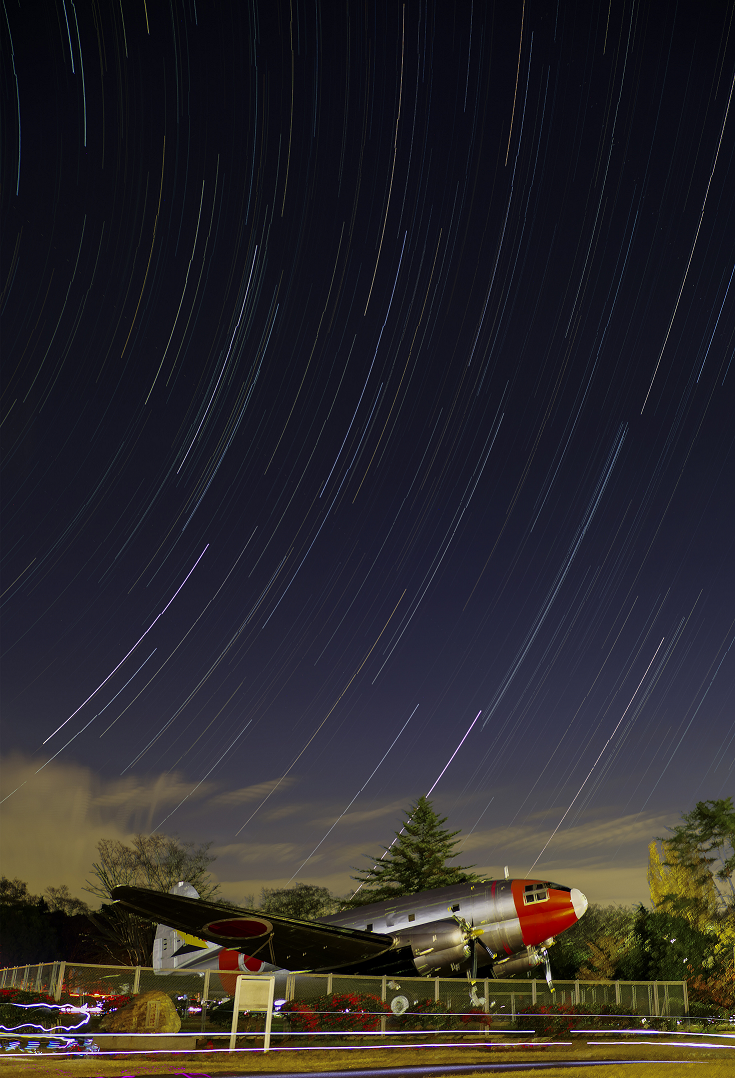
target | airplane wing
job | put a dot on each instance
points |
(283, 941)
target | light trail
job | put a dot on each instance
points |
(168, 604)
(612, 735)
(355, 797)
(321, 724)
(203, 779)
(694, 244)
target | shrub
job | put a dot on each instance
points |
(220, 1014)
(423, 1014)
(348, 1013)
(113, 1003)
(557, 1020)
(15, 1011)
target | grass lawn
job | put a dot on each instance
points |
(652, 1059)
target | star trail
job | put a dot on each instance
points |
(372, 362)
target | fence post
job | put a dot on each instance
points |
(329, 984)
(436, 990)
(533, 992)
(617, 993)
(487, 996)
(235, 1013)
(576, 992)
(686, 997)
(37, 985)
(59, 981)
(204, 998)
(383, 994)
(269, 1018)
(136, 981)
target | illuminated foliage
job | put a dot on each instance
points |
(680, 882)
(345, 1013)
(707, 837)
(600, 946)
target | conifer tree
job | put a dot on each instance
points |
(416, 860)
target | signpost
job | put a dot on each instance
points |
(253, 993)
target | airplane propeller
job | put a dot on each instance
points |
(547, 966)
(472, 941)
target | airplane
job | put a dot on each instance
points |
(487, 928)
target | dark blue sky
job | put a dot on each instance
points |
(366, 364)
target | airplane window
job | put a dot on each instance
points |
(536, 896)
(412, 916)
(558, 887)
(369, 928)
(455, 908)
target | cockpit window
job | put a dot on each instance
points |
(558, 887)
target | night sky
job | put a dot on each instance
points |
(367, 366)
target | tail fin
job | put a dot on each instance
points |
(179, 950)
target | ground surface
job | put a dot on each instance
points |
(651, 1059)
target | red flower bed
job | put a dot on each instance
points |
(113, 1003)
(347, 1013)
(17, 1010)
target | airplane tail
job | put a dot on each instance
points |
(175, 950)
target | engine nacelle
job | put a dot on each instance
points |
(439, 946)
(521, 963)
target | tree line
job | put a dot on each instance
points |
(688, 932)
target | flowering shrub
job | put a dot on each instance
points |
(423, 1014)
(350, 1013)
(557, 1020)
(16, 1012)
(113, 1003)
(434, 1014)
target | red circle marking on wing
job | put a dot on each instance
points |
(240, 928)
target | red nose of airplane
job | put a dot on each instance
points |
(545, 909)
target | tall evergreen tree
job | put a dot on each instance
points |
(416, 860)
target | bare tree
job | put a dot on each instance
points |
(61, 899)
(154, 861)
